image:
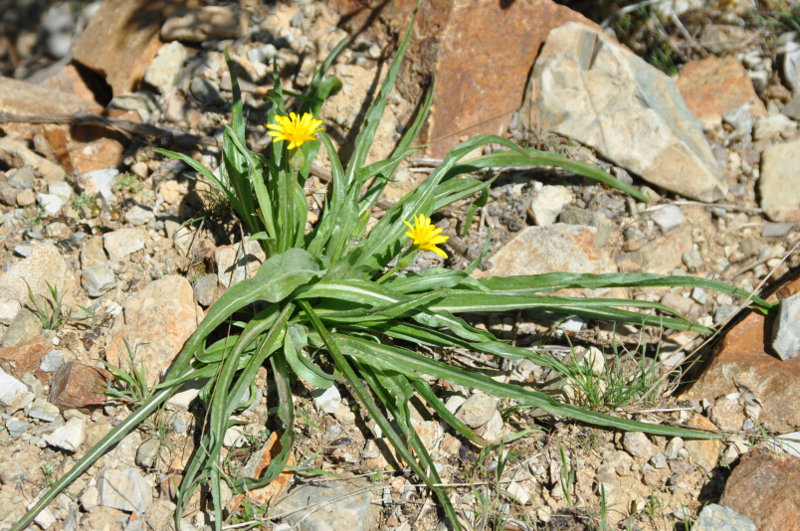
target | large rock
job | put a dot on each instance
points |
(155, 322)
(588, 87)
(17, 155)
(335, 505)
(765, 487)
(715, 86)
(121, 40)
(43, 267)
(481, 53)
(742, 362)
(779, 185)
(26, 98)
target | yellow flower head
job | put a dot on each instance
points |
(295, 129)
(425, 235)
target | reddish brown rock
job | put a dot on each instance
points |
(76, 386)
(765, 487)
(25, 357)
(68, 79)
(743, 360)
(481, 52)
(121, 40)
(713, 86)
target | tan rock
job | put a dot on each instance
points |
(713, 86)
(765, 487)
(481, 52)
(703, 453)
(25, 357)
(779, 185)
(121, 40)
(205, 23)
(20, 97)
(154, 324)
(741, 361)
(77, 386)
(16, 155)
(68, 79)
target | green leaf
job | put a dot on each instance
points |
(293, 344)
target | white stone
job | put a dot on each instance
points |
(68, 437)
(98, 279)
(779, 185)
(10, 389)
(588, 87)
(668, 217)
(165, 67)
(126, 490)
(548, 203)
(122, 242)
(60, 188)
(9, 308)
(477, 410)
(99, 182)
(235, 265)
(51, 204)
(518, 493)
(791, 65)
(234, 438)
(770, 126)
(45, 519)
(139, 216)
(327, 400)
(183, 399)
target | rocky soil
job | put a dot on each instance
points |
(112, 253)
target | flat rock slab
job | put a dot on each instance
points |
(743, 361)
(20, 97)
(765, 487)
(588, 87)
(481, 53)
(779, 185)
(714, 86)
(329, 507)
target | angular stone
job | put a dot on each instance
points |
(236, 263)
(11, 389)
(99, 182)
(741, 362)
(668, 218)
(662, 255)
(715, 517)
(703, 453)
(548, 203)
(714, 86)
(501, 40)
(638, 445)
(24, 357)
(25, 327)
(9, 308)
(43, 410)
(51, 204)
(20, 97)
(786, 329)
(205, 23)
(126, 490)
(76, 386)
(121, 40)
(122, 242)
(163, 71)
(92, 252)
(68, 437)
(17, 155)
(98, 279)
(779, 185)
(633, 114)
(477, 410)
(765, 487)
(155, 322)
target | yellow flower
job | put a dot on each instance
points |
(295, 129)
(425, 235)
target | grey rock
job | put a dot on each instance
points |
(126, 490)
(138, 215)
(588, 87)
(791, 65)
(99, 182)
(548, 203)
(692, 259)
(779, 185)
(477, 410)
(17, 427)
(43, 410)
(205, 289)
(165, 67)
(741, 119)
(13, 393)
(43, 266)
(786, 328)
(206, 92)
(98, 279)
(790, 109)
(699, 295)
(777, 230)
(68, 437)
(637, 444)
(9, 308)
(262, 54)
(122, 242)
(715, 517)
(26, 325)
(329, 507)
(92, 252)
(668, 217)
(237, 262)
(52, 361)
(658, 461)
(23, 250)
(674, 447)
(724, 311)
(147, 453)
(21, 178)
(51, 203)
